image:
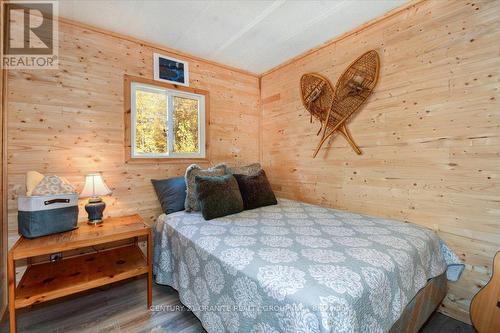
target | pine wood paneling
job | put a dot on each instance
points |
(3, 198)
(3, 179)
(70, 121)
(430, 132)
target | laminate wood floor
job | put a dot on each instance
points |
(439, 323)
(122, 308)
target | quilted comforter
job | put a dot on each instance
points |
(294, 267)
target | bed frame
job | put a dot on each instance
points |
(421, 306)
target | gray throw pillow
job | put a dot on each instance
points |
(218, 196)
(191, 203)
(249, 170)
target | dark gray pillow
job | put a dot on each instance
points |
(255, 190)
(171, 193)
(218, 196)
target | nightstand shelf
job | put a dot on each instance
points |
(51, 280)
(47, 281)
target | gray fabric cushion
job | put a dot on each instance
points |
(248, 170)
(218, 196)
(52, 185)
(171, 193)
(191, 203)
(255, 190)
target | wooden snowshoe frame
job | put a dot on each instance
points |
(333, 107)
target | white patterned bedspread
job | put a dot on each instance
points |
(294, 267)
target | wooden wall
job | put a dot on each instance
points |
(69, 121)
(3, 180)
(3, 202)
(430, 133)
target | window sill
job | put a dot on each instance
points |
(168, 160)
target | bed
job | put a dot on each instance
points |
(296, 267)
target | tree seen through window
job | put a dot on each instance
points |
(153, 121)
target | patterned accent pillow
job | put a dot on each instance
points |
(248, 170)
(191, 203)
(52, 185)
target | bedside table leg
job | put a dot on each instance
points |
(150, 271)
(11, 267)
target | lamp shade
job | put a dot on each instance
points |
(94, 186)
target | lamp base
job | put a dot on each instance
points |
(95, 208)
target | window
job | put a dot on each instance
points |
(166, 122)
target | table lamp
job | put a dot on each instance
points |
(93, 189)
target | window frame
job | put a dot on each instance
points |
(131, 83)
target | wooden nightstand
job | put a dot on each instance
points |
(50, 280)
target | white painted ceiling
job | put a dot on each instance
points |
(252, 35)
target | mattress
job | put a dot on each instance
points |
(295, 267)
